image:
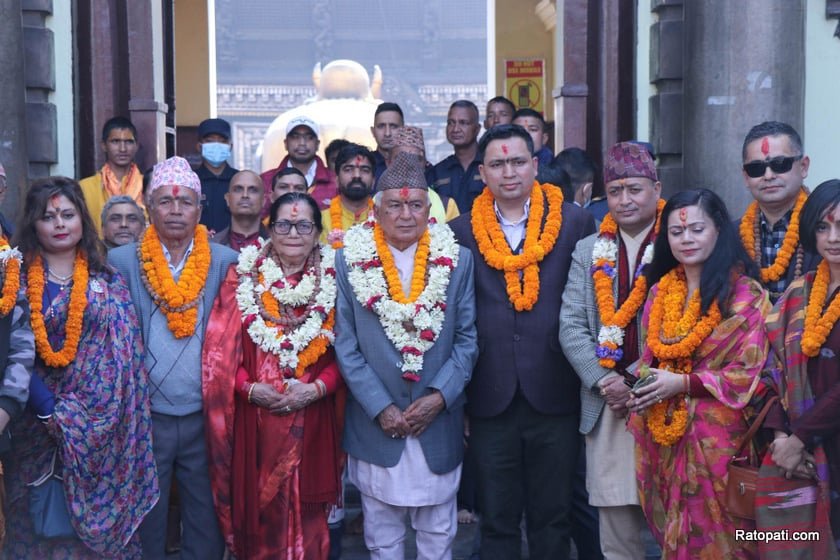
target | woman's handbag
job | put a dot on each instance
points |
(48, 505)
(740, 486)
(743, 475)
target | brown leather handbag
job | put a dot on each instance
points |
(740, 486)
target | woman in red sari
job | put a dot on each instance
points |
(273, 395)
(805, 337)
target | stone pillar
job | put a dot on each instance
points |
(596, 96)
(101, 44)
(39, 69)
(737, 76)
(120, 44)
(572, 96)
(666, 105)
(146, 104)
(13, 147)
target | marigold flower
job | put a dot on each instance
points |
(75, 315)
(497, 253)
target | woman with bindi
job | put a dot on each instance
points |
(705, 345)
(87, 418)
(805, 338)
(275, 427)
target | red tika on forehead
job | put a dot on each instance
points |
(359, 160)
(765, 146)
(175, 190)
(294, 210)
(504, 149)
(683, 215)
(54, 199)
(404, 193)
(830, 216)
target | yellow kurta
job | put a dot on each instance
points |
(96, 196)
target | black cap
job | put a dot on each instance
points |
(214, 126)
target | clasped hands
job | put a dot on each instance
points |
(295, 397)
(790, 455)
(412, 421)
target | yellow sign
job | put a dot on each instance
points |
(525, 83)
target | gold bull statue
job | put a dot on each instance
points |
(343, 106)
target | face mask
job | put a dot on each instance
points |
(215, 153)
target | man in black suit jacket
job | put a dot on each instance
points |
(523, 400)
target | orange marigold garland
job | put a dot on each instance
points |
(392, 275)
(315, 349)
(335, 236)
(75, 315)
(9, 276)
(818, 325)
(178, 301)
(667, 420)
(749, 238)
(614, 321)
(497, 253)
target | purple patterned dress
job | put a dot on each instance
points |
(102, 427)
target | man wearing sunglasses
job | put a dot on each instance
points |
(774, 169)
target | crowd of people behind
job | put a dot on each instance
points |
(479, 339)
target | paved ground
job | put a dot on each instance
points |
(353, 546)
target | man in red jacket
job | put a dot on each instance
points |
(302, 146)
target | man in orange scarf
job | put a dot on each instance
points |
(119, 175)
(775, 168)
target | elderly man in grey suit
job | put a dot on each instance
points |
(406, 346)
(601, 348)
(174, 275)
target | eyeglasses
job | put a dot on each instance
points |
(284, 227)
(778, 165)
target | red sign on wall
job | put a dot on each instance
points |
(525, 83)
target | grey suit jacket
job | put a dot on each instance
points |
(371, 365)
(124, 259)
(579, 326)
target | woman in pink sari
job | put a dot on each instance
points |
(703, 325)
(273, 396)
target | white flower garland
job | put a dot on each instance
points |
(413, 327)
(285, 345)
(10, 253)
(606, 248)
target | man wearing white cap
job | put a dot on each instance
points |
(302, 146)
(173, 284)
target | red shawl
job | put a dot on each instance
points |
(265, 468)
(780, 504)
